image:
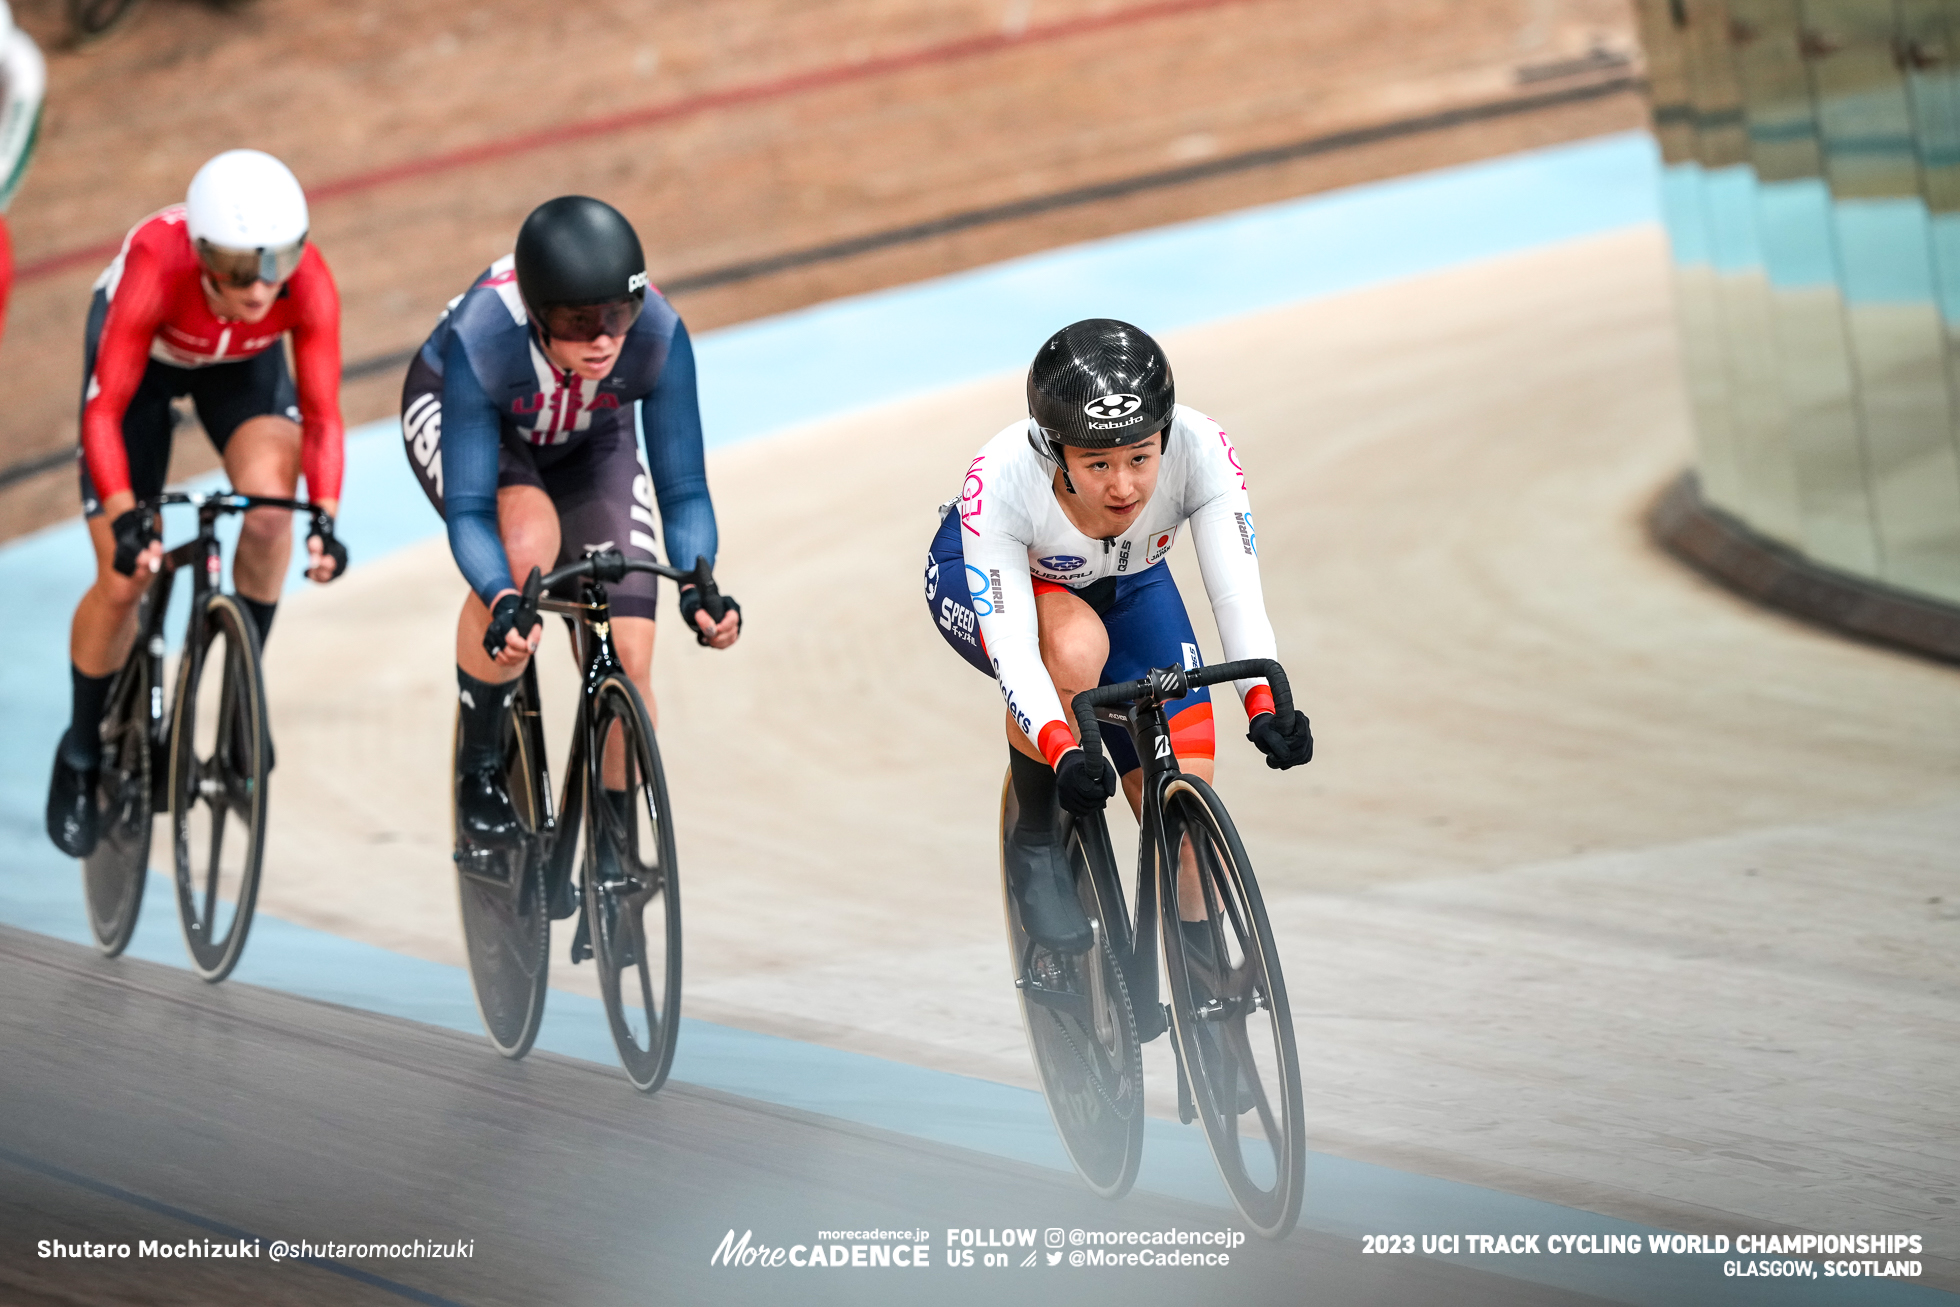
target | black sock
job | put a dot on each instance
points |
(1034, 789)
(81, 747)
(261, 616)
(483, 705)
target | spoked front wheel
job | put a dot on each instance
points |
(1082, 1030)
(113, 875)
(506, 931)
(219, 749)
(632, 890)
(1228, 1005)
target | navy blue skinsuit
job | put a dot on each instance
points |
(484, 408)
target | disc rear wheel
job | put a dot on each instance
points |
(1229, 1009)
(219, 749)
(1082, 1030)
(506, 930)
(632, 888)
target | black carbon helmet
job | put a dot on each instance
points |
(1100, 384)
(578, 250)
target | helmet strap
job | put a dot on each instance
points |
(1053, 448)
(537, 323)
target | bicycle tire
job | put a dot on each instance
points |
(500, 897)
(621, 886)
(113, 875)
(1091, 1070)
(209, 789)
(1232, 1022)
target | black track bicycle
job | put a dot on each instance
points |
(1089, 1014)
(612, 823)
(202, 755)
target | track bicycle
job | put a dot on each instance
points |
(615, 797)
(1088, 1014)
(203, 756)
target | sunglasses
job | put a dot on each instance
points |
(242, 268)
(582, 322)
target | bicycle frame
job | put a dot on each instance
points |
(590, 618)
(1142, 714)
(203, 557)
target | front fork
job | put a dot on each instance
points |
(1158, 862)
(150, 615)
(584, 776)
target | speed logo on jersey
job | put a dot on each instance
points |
(1108, 408)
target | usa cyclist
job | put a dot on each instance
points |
(199, 302)
(1047, 575)
(518, 416)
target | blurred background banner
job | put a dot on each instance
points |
(1812, 178)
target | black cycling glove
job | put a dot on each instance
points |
(1284, 746)
(330, 546)
(134, 531)
(1082, 783)
(691, 604)
(505, 618)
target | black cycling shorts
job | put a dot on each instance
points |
(598, 482)
(226, 395)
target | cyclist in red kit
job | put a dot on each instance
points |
(198, 304)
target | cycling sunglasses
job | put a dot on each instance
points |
(582, 322)
(242, 268)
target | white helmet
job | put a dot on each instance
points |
(247, 219)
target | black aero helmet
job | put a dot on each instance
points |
(1100, 384)
(578, 250)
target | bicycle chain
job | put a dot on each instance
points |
(1095, 1078)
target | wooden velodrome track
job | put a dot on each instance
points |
(1605, 889)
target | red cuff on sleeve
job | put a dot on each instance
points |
(1257, 700)
(1054, 741)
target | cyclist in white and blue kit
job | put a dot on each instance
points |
(1046, 575)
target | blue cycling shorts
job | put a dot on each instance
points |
(1143, 613)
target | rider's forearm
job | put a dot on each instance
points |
(671, 419)
(1012, 636)
(316, 364)
(1228, 559)
(479, 550)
